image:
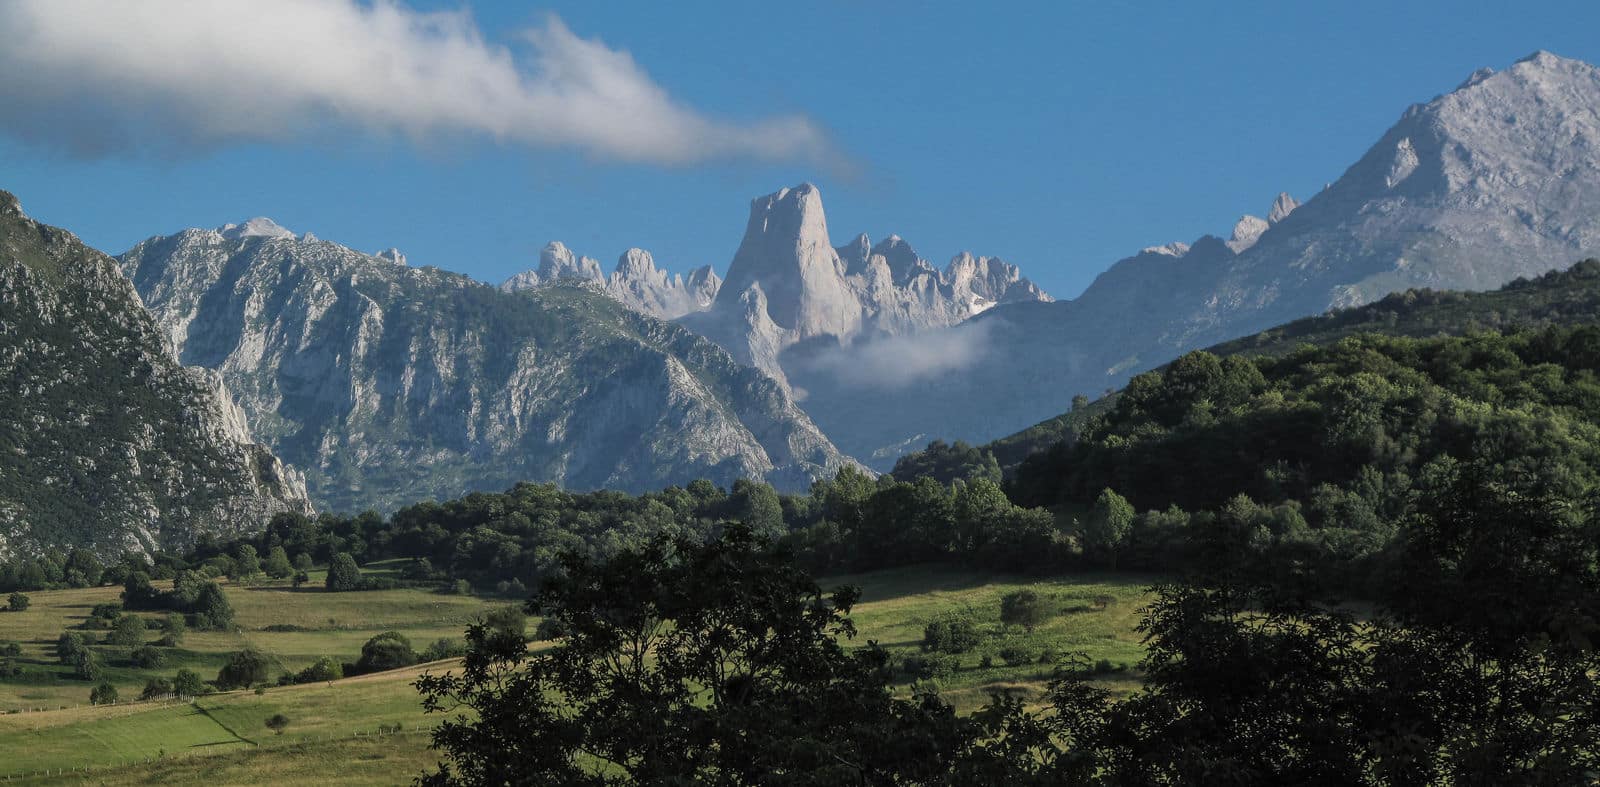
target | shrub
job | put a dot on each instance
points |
(127, 632)
(173, 629)
(18, 602)
(277, 722)
(86, 665)
(10, 649)
(107, 611)
(389, 650)
(148, 657)
(322, 670)
(1017, 655)
(461, 587)
(343, 575)
(926, 667)
(211, 608)
(1023, 608)
(69, 645)
(156, 688)
(549, 629)
(187, 683)
(444, 648)
(103, 694)
(950, 635)
(277, 564)
(244, 668)
(509, 619)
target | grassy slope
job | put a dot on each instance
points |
(228, 742)
(338, 624)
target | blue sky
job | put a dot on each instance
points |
(1060, 136)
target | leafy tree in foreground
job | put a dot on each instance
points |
(685, 663)
(1108, 527)
(343, 575)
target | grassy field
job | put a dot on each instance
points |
(333, 624)
(334, 732)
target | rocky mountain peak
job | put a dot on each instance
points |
(786, 249)
(636, 264)
(1282, 207)
(556, 261)
(903, 260)
(258, 227)
(1246, 232)
(9, 204)
(393, 255)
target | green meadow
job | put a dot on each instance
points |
(371, 730)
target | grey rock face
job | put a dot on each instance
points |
(109, 443)
(789, 287)
(1496, 180)
(635, 282)
(392, 384)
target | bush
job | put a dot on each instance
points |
(18, 602)
(10, 649)
(509, 619)
(187, 683)
(103, 694)
(148, 657)
(1023, 608)
(108, 611)
(173, 629)
(277, 722)
(461, 587)
(211, 609)
(322, 670)
(155, 688)
(69, 645)
(343, 575)
(951, 635)
(86, 665)
(244, 668)
(444, 648)
(389, 650)
(929, 667)
(127, 632)
(277, 564)
(549, 629)
(1017, 655)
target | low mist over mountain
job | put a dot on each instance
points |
(1499, 178)
(389, 384)
(107, 442)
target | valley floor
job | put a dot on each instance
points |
(371, 730)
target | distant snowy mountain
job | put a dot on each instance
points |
(1497, 179)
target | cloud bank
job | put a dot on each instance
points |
(96, 77)
(894, 362)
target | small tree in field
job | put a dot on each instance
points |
(277, 722)
(1023, 608)
(103, 694)
(277, 564)
(1108, 527)
(343, 574)
(18, 602)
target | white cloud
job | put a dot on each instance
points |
(892, 363)
(99, 76)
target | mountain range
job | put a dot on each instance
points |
(1495, 180)
(387, 384)
(107, 442)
